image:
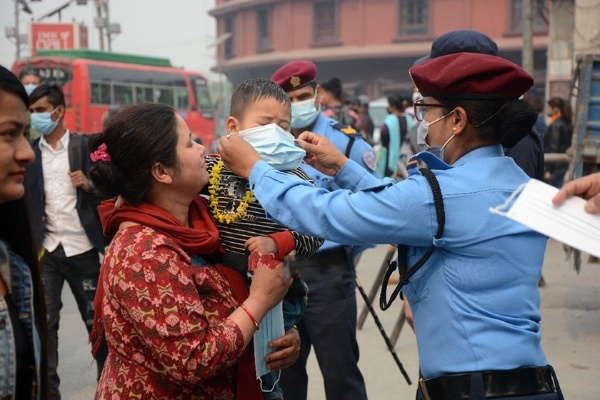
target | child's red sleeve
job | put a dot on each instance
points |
(285, 243)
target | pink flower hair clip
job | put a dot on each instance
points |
(100, 154)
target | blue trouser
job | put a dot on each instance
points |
(328, 325)
(81, 273)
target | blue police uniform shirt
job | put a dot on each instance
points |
(475, 301)
(361, 152)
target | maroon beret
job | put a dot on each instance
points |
(470, 76)
(295, 75)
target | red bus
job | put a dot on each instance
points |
(95, 82)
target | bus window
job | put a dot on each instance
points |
(123, 94)
(100, 93)
(203, 98)
(163, 95)
(182, 99)
(143, 95)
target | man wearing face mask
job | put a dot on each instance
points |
(66, 227)
(30, 80)
(329, 321)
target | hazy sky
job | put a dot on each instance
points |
(180, 30)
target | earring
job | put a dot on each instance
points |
(454, 129)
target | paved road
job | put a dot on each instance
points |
(570, 324)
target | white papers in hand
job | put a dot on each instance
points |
(567, 223)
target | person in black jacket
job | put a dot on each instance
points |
(558, 138)
(66, 227)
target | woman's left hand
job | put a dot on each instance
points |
(288, 350)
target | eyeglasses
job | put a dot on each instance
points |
(420, 109)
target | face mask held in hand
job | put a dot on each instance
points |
(271, 327)
(275, 146)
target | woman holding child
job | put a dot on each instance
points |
(176, 321)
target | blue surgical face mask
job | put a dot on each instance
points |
(423, 131)
(304, 113)
(42, 122)
(271, 328)
(29, 88)
(275, 146)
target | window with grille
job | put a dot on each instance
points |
(414, 17)
(325, 20)
(539, 20)
(263, 29)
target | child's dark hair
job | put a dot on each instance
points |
(249, 92)
(136, 137)
(54, 93)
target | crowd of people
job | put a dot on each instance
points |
(220, 273)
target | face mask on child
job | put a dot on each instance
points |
(275, 146)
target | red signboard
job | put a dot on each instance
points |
(57, 36)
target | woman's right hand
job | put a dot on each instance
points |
(268, 286)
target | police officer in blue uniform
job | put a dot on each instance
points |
(475, 299)
(329, 321)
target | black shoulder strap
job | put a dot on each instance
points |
(75, 162)
(75, 152)
(403, 270)
(349, 146)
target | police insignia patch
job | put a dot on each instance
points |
(370, 159)
(348, 130)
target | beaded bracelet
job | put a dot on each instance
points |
(250, 316)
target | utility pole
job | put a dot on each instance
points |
(560, 49)
(527, 23)
(107, 26)
(18, 54)
(100, 22)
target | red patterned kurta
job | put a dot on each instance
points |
(166, 323)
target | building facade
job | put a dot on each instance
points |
(368, 44)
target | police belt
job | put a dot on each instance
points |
(495, 384)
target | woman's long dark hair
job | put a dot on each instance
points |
(15, 231)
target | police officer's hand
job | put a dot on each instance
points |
(288, 350)
(231, 148)
(321, 154)
(587, 187)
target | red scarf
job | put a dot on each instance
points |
(202, 237)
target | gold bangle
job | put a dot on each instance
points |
(250, 316)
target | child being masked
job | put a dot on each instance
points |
(261, 112)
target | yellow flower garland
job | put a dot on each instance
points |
(213, 189)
